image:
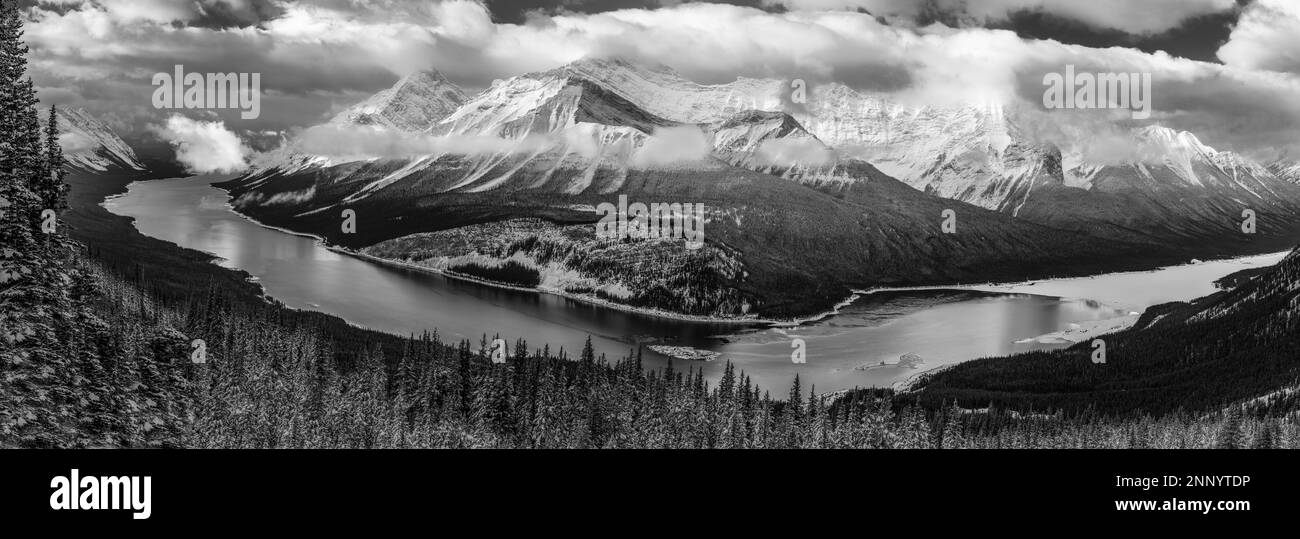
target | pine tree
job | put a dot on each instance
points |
(952, 434)
(726, 386)
(1231, 435)
(1267, 437)
(36, 311)
(53, 191)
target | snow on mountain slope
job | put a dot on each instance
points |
(1194, 164)
(603, 107)
(662, 92)
(414, 103)
(976, 154)
(599, 112)
(90, 145)
(774, 143)
(553, 129)
(1286, 170)
(970, 154)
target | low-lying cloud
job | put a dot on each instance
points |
(74, 142)
(793, 151)
(355, 143)
(670, 146)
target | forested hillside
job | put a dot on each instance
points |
(1233, 346)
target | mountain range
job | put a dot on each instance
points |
(806, 200)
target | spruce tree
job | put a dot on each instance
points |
(36, 311)
(1267, 437)
(54, 191)
(1231, 436)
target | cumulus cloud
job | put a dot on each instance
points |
(317, 56)
(1266, 37)
(203, 147)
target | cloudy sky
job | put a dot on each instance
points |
(1228, 70)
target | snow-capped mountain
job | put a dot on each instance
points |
(771, 142)
(569, 128)
(976, 154)
(585, 126)
(600, 111)
(1180, 157)
(414, 103)
(90, 145)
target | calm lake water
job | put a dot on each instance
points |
(940, 326)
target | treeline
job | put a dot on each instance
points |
(270, 381)
(510, 272)
(268, 384)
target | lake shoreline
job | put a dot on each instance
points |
(854, 296)
(753, 321)
(589, 300)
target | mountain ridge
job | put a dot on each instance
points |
(89, 145)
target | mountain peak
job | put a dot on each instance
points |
(414, 103)
(421, 79)
(615, 64)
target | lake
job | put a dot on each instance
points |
(940, 326)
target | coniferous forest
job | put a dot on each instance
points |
(102, 348)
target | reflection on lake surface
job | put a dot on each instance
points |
(940, 326)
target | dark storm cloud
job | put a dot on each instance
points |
(1186, 28)
(223, 14)
(1197, 38)
(517, 11)
(214, 14)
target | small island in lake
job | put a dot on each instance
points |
(906, 361)
(685, 352)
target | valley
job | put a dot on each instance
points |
(860, 345)
(798, 216)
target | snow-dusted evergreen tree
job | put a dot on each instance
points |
(35, 309)
(53, 191)
(1231, 435)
